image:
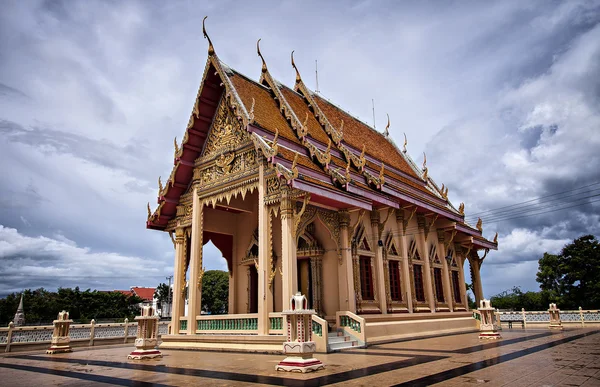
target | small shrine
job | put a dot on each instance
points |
(147, 335)
(60, 336)
(299, 345)
(555, 322)
(488, 327)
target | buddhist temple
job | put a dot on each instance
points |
(300, 196)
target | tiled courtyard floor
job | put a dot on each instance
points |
(536, 357)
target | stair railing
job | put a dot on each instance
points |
(353, 325)
(320, 333)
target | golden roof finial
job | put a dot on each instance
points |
(496, 238)
(149, 211)
(387, 127)
(342, 128)
(424, 161)
(298, 79)
(264, 64)
(382, 174)
(479, 225)
(176, 146)
(160, 186)
(348, 171)
(251, 114)
(211, 48)
(295, 162)
(461, 209)
(405, 143)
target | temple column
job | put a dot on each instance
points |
(404, 251)
(461, 275)
(346, 270)
(476, 279)
(422, 240)
(178, 301)
(265, 304)
(288, 247)
(196, 270)
(445, 270)
(231, 300)
(380, 272)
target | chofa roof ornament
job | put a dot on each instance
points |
(211, 48)
(264, 64)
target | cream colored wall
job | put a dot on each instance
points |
(276, 227)
(330, 286)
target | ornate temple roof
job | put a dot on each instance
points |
(316, 145)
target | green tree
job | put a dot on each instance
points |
(572, 278)
(215, 292)
(163, 293)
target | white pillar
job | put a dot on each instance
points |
(345, 270)
(195, 286)
(178, 301)
(263, 255)
(379, 271)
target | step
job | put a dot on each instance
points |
(343, 345)
(338, 339)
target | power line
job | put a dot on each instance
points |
(536, 207)
(534, 199)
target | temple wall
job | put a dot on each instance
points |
(330, 283)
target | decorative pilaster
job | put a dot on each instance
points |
(288, 246)
(445, 270)
(345, 270)
(316, 267)
(379, 271)
(406, 274)
(422, 240)
(263, 256)
(179, 281)
(196, 269)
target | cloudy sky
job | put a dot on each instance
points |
(504, 97)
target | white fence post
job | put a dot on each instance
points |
(524, 317)
(92, 332)
(581, 317)
(11, 326)
(126, 330)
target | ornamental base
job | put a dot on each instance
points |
(489, 335)
(299, 364)
(140, 354)
(57, 348)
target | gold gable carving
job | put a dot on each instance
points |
(226, 133)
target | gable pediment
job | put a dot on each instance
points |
(225, 135)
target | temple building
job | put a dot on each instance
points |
(300, 196)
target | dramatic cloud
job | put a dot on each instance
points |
(503, 97)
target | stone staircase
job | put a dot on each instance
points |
(338, 341)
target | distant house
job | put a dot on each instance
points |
(146, 294)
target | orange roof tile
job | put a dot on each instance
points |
(146, 294)
(266, 111)
(357, 133)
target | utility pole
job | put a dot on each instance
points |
(170, 294)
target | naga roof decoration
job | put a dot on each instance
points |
(311, 143)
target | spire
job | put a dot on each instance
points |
(211, 48)
(298, 79)
(20, 315)
(264, 64)
(387, 127)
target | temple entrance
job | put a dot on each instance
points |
(252, 290)
(305, 280)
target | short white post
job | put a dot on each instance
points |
(146, 338)
(487, 328)
(92, 332)
(524, 317)
(11, 326)
(299, 345)
(60, 336)
(581, 316)
(555, 322)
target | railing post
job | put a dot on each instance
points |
(126, 330)
(11, 326)
(92, 332)
(581, 316)
(524, 317)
